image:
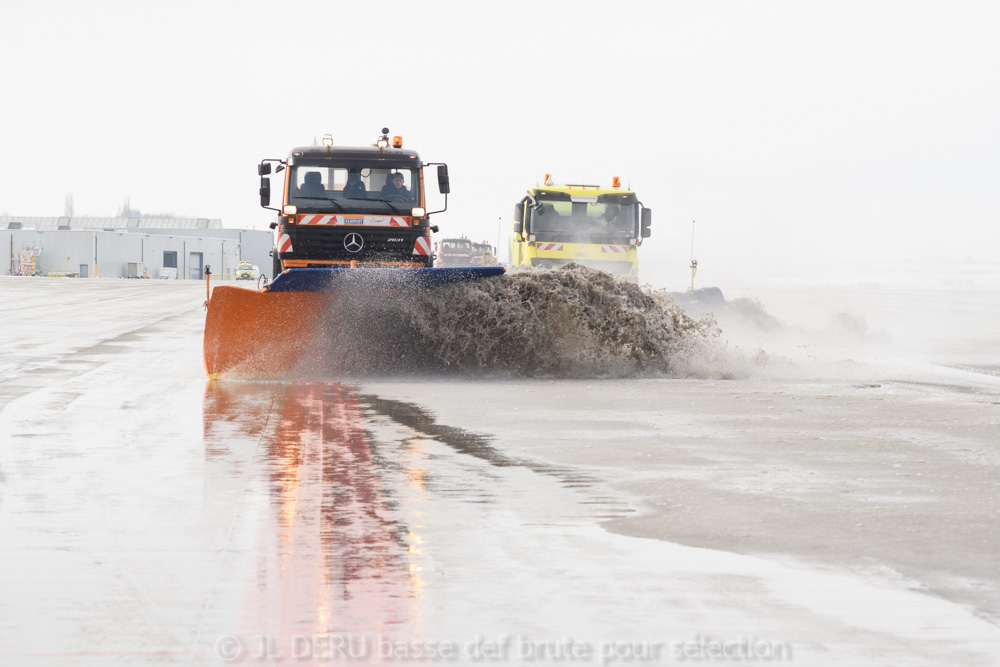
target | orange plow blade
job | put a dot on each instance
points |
(266, 333)
(261, 334)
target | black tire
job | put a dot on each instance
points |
(275, 264)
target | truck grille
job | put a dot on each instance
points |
(329, 243)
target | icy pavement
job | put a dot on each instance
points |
(150, 517)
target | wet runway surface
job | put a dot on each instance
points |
(150, 517)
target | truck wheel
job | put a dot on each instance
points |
(275, 265)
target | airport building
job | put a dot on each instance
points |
(171, 248)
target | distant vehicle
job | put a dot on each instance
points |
(135, 270)
(483, 254)
(246, 271)
(598, 226)
(454, 252)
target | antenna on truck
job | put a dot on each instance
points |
(694, 262)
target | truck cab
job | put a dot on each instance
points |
(598, 226)
(351, 206)
(483, 254)
(454, 252)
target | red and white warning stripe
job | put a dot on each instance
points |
(284, 243)
(318, 220)
(555, 247)
(367, 220)
(615, 249)
(422, 246)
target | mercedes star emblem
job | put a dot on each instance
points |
(353, 242)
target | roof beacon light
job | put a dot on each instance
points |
(616, 182)
(328, 140)
(548, 179)
(383, 141)
(397, 141)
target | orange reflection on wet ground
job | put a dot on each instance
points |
(327, 557)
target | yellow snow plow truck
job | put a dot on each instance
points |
(598, 226)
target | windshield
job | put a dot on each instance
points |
(456, 246)
(582, 221)
(355, 189)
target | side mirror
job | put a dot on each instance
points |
(647, 220)
(263, 168)
(444, 185)
(265, 190)
(518, 227)
(519, 213)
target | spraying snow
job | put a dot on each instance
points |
(570, 321)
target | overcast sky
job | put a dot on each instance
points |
(824, 130)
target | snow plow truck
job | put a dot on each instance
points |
(350, 219)
(454, 252)
(598, 226)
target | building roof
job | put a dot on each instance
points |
(64, 223)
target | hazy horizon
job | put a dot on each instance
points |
(855, 131)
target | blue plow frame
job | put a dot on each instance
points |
(375, 278)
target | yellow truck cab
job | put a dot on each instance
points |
(246, 271)
(598, 226)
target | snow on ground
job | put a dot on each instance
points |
(823, 492)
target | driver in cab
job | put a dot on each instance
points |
(394, 189)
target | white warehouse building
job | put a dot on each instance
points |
(177, 248)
